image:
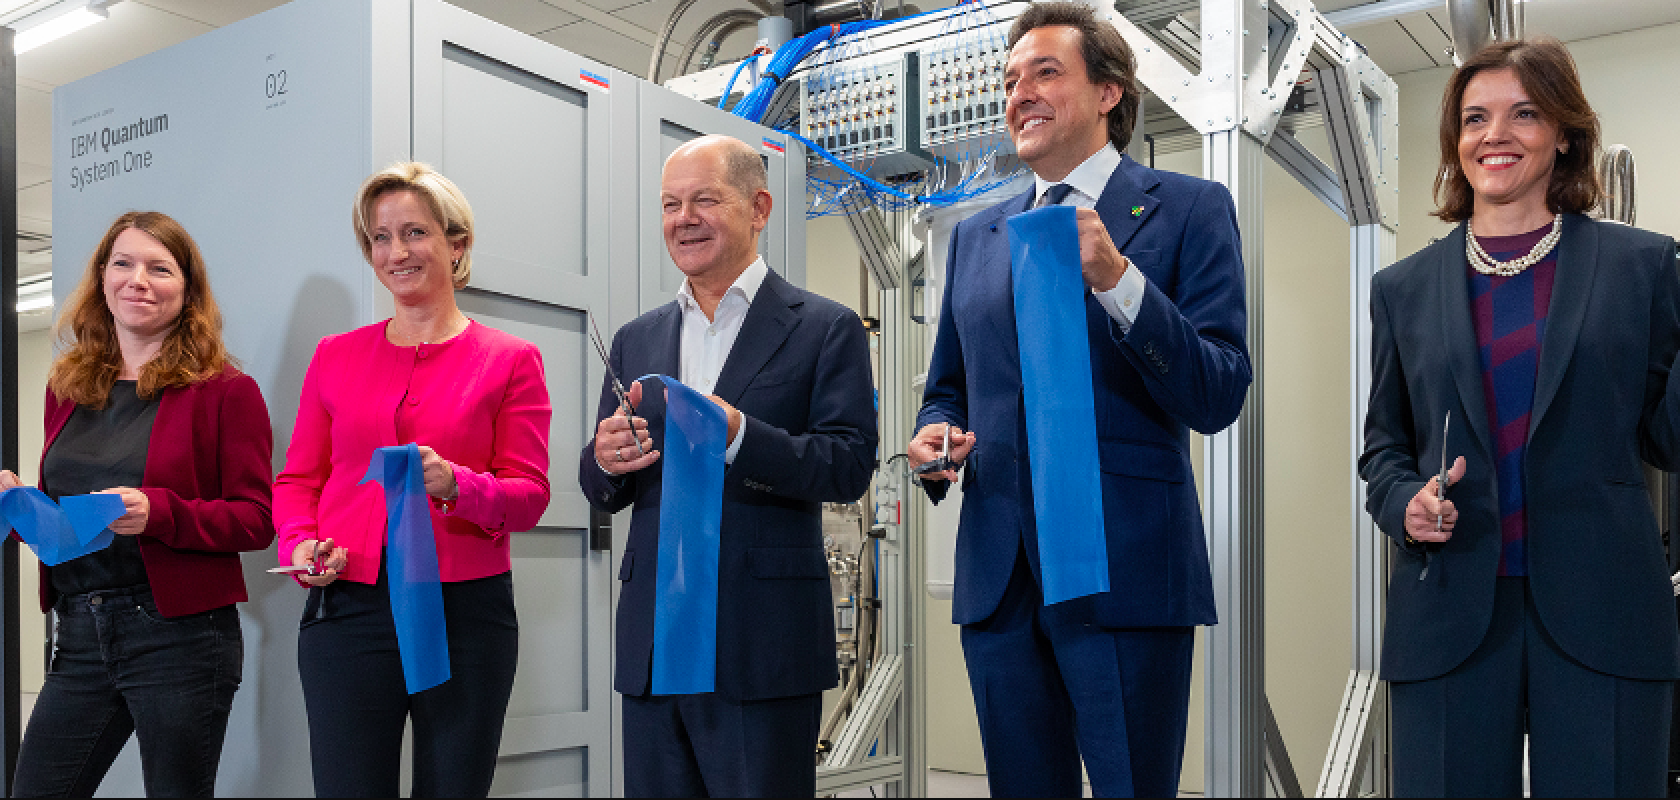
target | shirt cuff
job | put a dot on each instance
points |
(1122, 302)
(735, 443)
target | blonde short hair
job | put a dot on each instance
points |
(440, 195)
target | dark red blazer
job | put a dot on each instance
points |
(210, 482)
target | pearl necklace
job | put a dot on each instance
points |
(1485, 264)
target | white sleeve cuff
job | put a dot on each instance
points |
(735, 443)
(1123, 301)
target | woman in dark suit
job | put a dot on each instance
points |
(1534, 597)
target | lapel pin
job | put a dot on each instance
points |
(1137, 211)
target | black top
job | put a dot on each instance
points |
(99, 450)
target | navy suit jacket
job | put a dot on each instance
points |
(1606, 396)
(1183, 365)
(799, 373)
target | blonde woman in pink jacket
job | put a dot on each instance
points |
(474, 400)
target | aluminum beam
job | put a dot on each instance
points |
(1307, 169)
(1234, 513)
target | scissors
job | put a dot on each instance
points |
(618, 387)
(313, 568)
(943, 462)
(1440, 492)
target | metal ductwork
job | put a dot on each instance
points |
(1478, 23)
(1615, 169)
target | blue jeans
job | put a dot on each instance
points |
(120, 667)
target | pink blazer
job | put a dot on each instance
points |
(478, 399)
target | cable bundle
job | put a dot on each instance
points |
(979, 164)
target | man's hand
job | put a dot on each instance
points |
(734, 416)
(615, 445)
(1099, 260)
(9, 480)
(930, 440)
(1424, 510)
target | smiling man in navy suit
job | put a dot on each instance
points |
(791, 370)
(1103, 678)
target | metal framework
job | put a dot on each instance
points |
(1252, 54)
(1231, 82)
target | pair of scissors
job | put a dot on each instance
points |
(1440, 493)
(312, 569)
(943, 462)
(618, 387)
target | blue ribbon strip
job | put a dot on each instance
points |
(412, 567)
(1055, 346)
(71, 528)
(690, 523)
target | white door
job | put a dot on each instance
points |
(526, 135)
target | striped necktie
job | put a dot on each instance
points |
(1054, 195)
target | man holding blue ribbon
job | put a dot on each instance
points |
(1078, 344)
(725, 637)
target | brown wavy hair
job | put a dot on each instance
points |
(1108, 59)
(91, 359)
(1548, 75)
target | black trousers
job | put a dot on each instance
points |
(357, 702)
(1589, 734)
(703, 745)
(122, 668)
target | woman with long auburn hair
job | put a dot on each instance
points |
(145, 403)
(1529, 596)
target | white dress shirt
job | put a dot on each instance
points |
(706, 342)
(1088, 181)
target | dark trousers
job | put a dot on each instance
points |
(357, 702)
(120, 667)
(1589, 734)
(702, 745)
(1049, 690)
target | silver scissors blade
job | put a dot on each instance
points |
(1445, 430)
(618, 386)
(1441, 480)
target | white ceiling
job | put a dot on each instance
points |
(621, 33)
(1420, 40)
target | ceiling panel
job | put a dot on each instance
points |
(604, 5)
(608, 47)
(35, 208)
(215, 13)
(1573, 20)
(1392, 48)
(133, 30)
(34, 116)
(528, 16)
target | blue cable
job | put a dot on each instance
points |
(730, 86)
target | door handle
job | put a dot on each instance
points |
(600, 530)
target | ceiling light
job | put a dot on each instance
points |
(35, 303)
(56, 24)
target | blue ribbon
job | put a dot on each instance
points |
(73, 527)
(1055, 346)
(690, 524)
(412, 567)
